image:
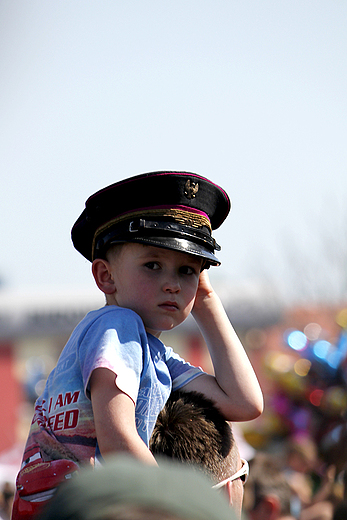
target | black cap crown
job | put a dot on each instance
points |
(174, 210)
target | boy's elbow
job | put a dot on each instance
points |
(258, 410)
(255, 409)
(247, 412)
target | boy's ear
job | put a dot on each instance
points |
(103, 277)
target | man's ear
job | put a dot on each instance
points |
(228, 487)
(102, 275)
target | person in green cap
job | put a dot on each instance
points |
(125, 489)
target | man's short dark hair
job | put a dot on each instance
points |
(191, 429)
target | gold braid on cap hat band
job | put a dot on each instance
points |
(184, 217)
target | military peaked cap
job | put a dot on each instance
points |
(173, 210)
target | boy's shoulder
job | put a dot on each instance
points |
(112, 312)
(111, 317)
(126, 323)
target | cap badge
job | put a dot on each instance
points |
(191, 189)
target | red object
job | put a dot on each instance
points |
(36, 483)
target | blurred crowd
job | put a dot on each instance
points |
(297, 487)
(295, 484)
(6, 500)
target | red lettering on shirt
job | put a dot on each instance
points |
(71, 419)
(68, 399)
(59, 401)
(59, 421)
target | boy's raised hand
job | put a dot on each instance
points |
(205, 291)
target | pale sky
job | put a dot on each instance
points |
(251, 94)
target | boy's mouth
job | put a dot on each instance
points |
(169, 305)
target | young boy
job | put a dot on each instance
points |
(149, 240)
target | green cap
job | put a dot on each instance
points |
(172, 488)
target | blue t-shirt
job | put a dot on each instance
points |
(145, 369)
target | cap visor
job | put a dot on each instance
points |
(177, 244)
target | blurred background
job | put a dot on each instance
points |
(252, 95)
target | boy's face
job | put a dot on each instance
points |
(158, 284)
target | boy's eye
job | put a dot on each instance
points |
(152, 265)
(186, 269)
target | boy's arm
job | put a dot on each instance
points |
(114, 417)
(235, 387)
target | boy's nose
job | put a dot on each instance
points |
(172, 284)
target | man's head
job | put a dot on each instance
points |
(192, 430)
(171, 210)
